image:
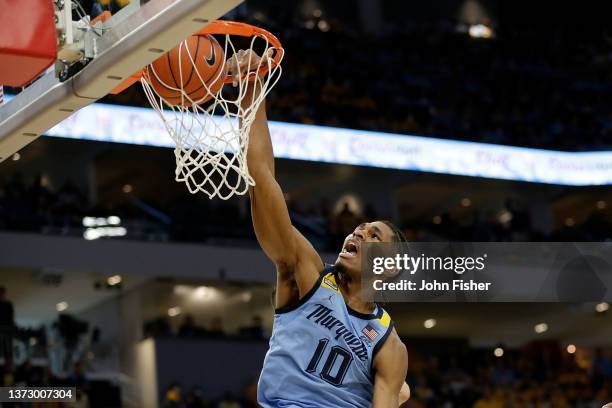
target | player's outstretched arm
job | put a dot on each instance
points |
(297, 263)
(391, 366)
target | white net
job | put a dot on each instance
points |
(212, 133)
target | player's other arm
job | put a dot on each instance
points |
(297, 263)
(391, 366)
(404, 394)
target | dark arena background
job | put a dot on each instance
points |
(117, 281)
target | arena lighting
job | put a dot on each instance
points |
(113, 220)
(352, 201)
(323, 26)
(182, 290)
(437, 220)
(601, 205)
(202, 293)
(504, 216)
(466, 202)
(430, 323)
(44, 181)
(571, 349)
(480, 31)
(174, 311)
(258, 15)
(127, 188)
(91, 234)
(570, 222)
(246, 296)
(540, 328)
(602, 307)
(498, 352)
(114, 280)
(98, 227)
(61, 306)
(101, 221)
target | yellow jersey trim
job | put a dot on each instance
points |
(329, 281)
(385, 319)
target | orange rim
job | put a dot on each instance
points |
(221, 27)
(244, 30)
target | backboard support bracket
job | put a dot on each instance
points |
(127, 45)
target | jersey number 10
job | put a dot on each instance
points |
(337, 357)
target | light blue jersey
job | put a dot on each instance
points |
(321, 352)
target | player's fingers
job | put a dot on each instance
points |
(242, 62)
(236, 64)
(251, 60)
(231, 66)
(268, 55)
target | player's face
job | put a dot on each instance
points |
(350, 256)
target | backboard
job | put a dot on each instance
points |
(114, 50)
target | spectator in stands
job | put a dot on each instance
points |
(255, 331)
(173, 397)
(228, 401)
(188, 328)
(195, 399)
(215, 329)
(77, 377)
(489, 400)
(158, 327)
(250, 394)
(7, 325)
(343, 223)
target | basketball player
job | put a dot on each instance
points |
(329, 348)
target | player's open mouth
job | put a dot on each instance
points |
(350, 250)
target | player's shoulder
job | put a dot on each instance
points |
(392, 351)
(395, 343)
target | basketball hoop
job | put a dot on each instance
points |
(211, 126)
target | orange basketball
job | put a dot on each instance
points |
(179, 68)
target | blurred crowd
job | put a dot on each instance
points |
(529, 378)
(532, 377)
(25, 360)
(30, 375)
(534, 88)
(429, 79)
(540, 86)
(33, 206)
(189, 328)
(177, 397)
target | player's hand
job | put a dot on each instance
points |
(244, 62)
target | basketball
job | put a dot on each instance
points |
(196, 61)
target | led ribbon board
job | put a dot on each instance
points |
(140, 126)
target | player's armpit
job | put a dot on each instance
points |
(294, 283)
(391, 366)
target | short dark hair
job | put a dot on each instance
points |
(401, 242)
(398, 235)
